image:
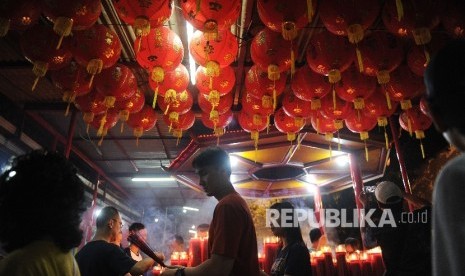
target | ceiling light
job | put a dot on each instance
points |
(192, 231)
(233, 160)
(342, 160)
(190, 34)
(152, 179)
(190, 208)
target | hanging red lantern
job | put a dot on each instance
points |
(415, 17)
(75, 15)
(323, 125)
(417, 60)
(355, 87)
(116, 83)
(176, 102)
(350, 18)
(223, 83)
(131, 105)
(223, 104)
(452, 18)
(338, 112)
(217, 124)
(35, 45)
(141, 121)
(310, 86)
(359, 123)
(251, 106)
(211, 17)
(377, 107)
(287, 19)
(144, 15)
(173, 81)
(404, 86)
(329, 55)
(214, 54)
(258, 85)
(287, 124)
(179, 123)
(96, 48)
(270, 52)
(103, 122)
(413, 120)
(90, 104)
(73, 80)
(18, 14)
(252, 123)
(296, 108)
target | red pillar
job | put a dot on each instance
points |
(318, 206)
(400, 157)
(69, 140)
(357, 184)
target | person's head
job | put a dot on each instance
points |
(177, 244)
(285, 228)
(445, 92)
(351, 245)
(202, 230)
(315, 235)
(214, 169)
(388, 195)
(139, 229)
(41, 196)
(109, 223)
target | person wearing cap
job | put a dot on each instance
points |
(445, 96)
(404, 237)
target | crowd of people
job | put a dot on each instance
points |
(42, 200)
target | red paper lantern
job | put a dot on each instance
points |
(144, 15)
(173, 81)
(251, 106)
(253, 124)
(90, 104)
(223, 83)
(211, 16)
(404, 86)
(287, 124)
(73, 80)
(18, 14)
(35, 45)
(310, 86)
(359, 123)
(116, 83)
(284, 18)
(355, 87)
(337, 109)
(103, 122)
(131, 105)
(143, 120)
(179, 123)
(258, 85)
(415, 17)
(270, 52)
(176, 102)
(217, 124)
(329, 55)
(323, 125)
(413, 120)
(296, 107)
(96, 48)
(214, 54)
(71, 15)
(419, 55)
(223, 105)
(452, 18)
(382, 53)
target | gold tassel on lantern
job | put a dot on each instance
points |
(359, 59)
(63, 27)
(388, 98)
(40, 69)
(102, 125)
(275, 100)
(364, 136)
(359, 103)
(178, 134)
(210, 30)
(355, 33)
(334, 76)
(123, 116)
(214, 98)
(267, 101)
(94, 67)
(292, 61)
(290, 136)
(382, 122)
(212, 69)
(400, 10)
(421, 36)
(273, 72)
(157, 75)
(310, 10)
(170, 97)
(383, 76)
(405, 104)
(289, 30)
(420, 134)
(315, 104)
(4, 26)
(197, 6)
(109, 101)
(137, 132)
(141, 28)
(427, 56)
(68, 97)
(329, 138)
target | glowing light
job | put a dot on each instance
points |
(193, 232)
(190, 208)
(342, 160)
(233, 160)
(156, 220)
(152, 179)
(12, 173)
(193, 226)
(97, 212)
(192, 69)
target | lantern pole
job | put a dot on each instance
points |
(357, 185)
(400, 158)
(69, 140)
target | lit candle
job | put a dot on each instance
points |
(270, 248)
(195, 252)
(353, 262)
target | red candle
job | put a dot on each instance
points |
(195, 252)
(341, 264)
(353, 263)
(156, 270)
(329, 266)
(377, 264)
(271, 250)
(204, 249)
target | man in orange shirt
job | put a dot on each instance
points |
(232, 240)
